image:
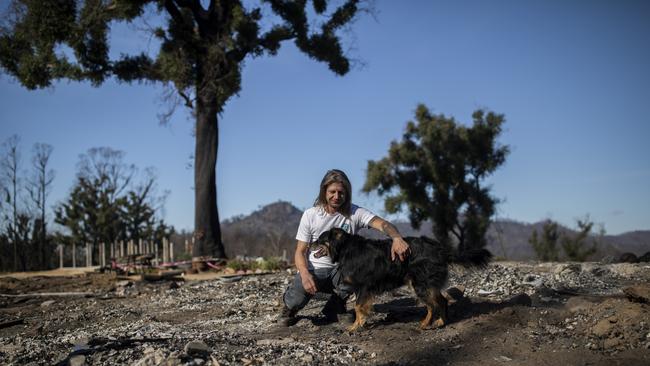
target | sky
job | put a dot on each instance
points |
(571, 77)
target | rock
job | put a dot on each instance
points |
(611, 343)
(454, 293)
(568, 268)
(482, 292)
(274, 342)
(78, 360)
(576, 304)
(595, 269)
(638, 293)
(197, 348)
(228, 279)
(307, 358)
(603, 327)
(502, 359)
(534, 281)
(152, 357)
(47, 303)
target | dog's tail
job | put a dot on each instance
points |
(472, 258)
(467, 258)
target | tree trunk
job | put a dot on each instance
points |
(207, 230)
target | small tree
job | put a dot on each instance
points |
(546, 248)
(10, 166)
(107, 203)
(438, 170)
(577, 247)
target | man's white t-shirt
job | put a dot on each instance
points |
(316, 220)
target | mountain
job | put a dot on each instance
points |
(271, 231)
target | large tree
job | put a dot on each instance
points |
(438, 172)
(203, 45)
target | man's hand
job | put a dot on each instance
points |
(308, 282)
(400, 249)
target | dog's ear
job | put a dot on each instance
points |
(337, 234)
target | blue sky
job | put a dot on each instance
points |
(571, 77)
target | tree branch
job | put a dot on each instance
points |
(187, 99)
(173, 11)
(195, 6)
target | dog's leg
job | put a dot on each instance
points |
(434, 301)
(362, 308)
(441, 304)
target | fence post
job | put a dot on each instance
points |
(102, 249)
(171, 251)
(60, 255)
(87, 254)
(74, 255)
(165, 255)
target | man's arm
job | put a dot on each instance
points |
(300, 258)
(400, 248)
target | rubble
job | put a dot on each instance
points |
(509, 312)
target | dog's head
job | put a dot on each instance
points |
(329, 243)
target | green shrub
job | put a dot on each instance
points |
(238, 265)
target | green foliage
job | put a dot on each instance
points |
(578, 248)
(270, 264)
(266, 264)
(437, 173)
(104, 206)
(238, 265)
(546, 248)
(201, 49)
(575, 247)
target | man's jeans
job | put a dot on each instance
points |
(327, 280)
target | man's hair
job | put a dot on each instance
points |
(335, 176)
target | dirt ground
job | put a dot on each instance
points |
(508, 314)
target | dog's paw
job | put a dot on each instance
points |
(439, 323)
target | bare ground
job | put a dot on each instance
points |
(509, 314)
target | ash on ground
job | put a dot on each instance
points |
(508, 313)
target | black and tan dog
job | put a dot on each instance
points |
(366, 265)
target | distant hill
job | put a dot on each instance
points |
(271, 231)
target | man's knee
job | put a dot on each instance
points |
(295, 297)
